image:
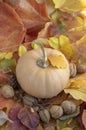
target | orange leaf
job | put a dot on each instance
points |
(57, 61)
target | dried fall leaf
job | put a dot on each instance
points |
(3, 76)
(84, 118)
(13, 115)
(33, 16)
(57, 61)
(12, 30)
(28, 118)
(77, 93)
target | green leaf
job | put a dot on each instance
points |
(7, 63)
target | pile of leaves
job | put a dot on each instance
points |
(57, 25)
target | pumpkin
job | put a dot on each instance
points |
(37, 77)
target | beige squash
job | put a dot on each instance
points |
(39, 81)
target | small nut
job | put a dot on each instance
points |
(7, 91)
(81, 68)
(56, 111)
(68, 106)
(29, 100)
(44, 115)
(73, 70)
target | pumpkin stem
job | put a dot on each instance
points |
(44, 61)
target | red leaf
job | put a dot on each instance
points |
(84, 118)
(12, 30)
(28, 118)
(16, 125)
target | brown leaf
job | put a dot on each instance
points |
(12, 30)
(3, 77)
(84, 118)
(50, 29)
(13, 115)
(28, 118)
(82, 108)
(34, 14)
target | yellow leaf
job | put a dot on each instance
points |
(2, 55)
(76, 94)
(35, 46)
(80, 20)
(70, 5)
(8, 55)
(76, 83)
(67, 128)
(57, 61)
(82, 40)
(22, 50)
(63, 41)
(77, 88)
(68, 50)
(53, 42)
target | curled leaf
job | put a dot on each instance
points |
(4, 118)
(57, 61)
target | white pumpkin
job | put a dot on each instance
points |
(38, 81)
